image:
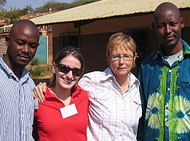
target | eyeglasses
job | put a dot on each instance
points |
(65, 69)
(125, 57)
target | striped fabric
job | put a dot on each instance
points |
(16, 105)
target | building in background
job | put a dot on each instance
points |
(44, 53)
(90, 26)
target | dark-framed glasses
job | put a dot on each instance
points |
(125, 57)
(65, 69)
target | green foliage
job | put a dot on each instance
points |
(14, 14)
(40, 71)
(34, 61)
(35, 71)
(2, 2)
(57, 6)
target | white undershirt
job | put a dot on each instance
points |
(171, 59)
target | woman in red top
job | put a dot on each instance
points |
(64, 113)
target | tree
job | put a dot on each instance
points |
(14, 14)
(57, 6)
(2, 2)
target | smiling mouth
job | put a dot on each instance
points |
(67, 81)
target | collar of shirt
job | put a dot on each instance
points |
(25, 74)
(76, 92)
(186, 51)
(109, 75)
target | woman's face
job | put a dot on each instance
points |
(121, 61)
(67, 72)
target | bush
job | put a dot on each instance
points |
(40, 71)
(35, 71)
(34, 61)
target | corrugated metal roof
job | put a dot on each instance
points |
(5, 28)
(105, 9)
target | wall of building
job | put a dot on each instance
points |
(50, 47)
(93, 49)
(95, 35)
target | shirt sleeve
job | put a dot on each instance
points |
(35, 103)
(85, 83)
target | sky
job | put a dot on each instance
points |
(34, 3)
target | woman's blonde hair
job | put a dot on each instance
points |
(120, 39)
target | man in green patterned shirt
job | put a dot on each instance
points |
(165, 81)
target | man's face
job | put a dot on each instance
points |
(23, 43)
(168, 25)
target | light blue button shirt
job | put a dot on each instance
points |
(16, 105)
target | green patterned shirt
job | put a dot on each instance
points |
(165, 93)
